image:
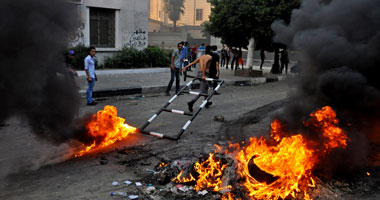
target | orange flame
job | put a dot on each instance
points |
(210, 175)
(281, 170)
(290, 162)
(180, 179)
(229, 196)
(106, 128)
(326, 120)
(162, 165)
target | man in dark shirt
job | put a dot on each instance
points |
(214, 67)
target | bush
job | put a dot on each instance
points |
(81, 52)
(157, 57)
(133, 58)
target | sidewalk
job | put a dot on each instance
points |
(155, 80)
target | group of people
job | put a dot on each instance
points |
(183, 58)
(236, 55)
(208, 68)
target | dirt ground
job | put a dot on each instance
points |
(33, 169)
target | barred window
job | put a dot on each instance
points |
(199, 14)
(102, 27)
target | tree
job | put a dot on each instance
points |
(174, 8)
(237, 21)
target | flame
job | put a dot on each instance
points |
(326, 120)
(229, 196)
(280, 170)
(368, 174)
(210, 175)
(290, 161)
(287, 166)
(162, 165)
(106, 128)
(180, 179)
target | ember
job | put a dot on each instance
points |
(106, 128)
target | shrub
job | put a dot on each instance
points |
(157, 57)
(133, 58)
(81, 52)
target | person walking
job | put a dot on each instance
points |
(184, 54)
(262, 56)
(175, 69)
(223, 56)
(214, 67)
(194, 53)
(69, 65)
(284, 60)
(202, 49)
(89, 67)
(228, 56)
(233, 55)
(204, 69)
(240, 59)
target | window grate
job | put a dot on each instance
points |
(102, 27)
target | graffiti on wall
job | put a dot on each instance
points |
(138, 39)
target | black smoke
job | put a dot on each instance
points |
(339, 46)
(34, 83)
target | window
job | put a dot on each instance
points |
(199, 15)
(102, 27)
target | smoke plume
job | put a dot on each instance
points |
(339, 46)
(34, 83)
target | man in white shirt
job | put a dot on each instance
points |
(89, 67)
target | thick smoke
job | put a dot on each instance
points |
(339, 46)
(34, 83)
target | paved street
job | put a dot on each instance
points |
(85, 178)
(157, 77)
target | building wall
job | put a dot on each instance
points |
(188, 18)
(131, 24)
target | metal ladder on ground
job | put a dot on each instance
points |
(192, 115)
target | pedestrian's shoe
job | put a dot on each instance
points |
(208, 104)
(216, 93)
(167, 93)
(190, 106)
(92, 103)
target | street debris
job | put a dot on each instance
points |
(133, 196)
(127, 182)
(219, 118)
(120, 194)
(115, 183)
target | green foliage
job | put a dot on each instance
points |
(236, 21)
(157, 57)
(81, 52)
(174, 8)
(133, 58)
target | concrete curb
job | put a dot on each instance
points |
(161, 88)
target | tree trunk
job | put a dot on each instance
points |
(251, 51)
(175, 26)
(276, 65)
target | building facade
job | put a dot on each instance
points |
(110, 25)
(162, 32)
(196, 12)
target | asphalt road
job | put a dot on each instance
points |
(32, 169)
